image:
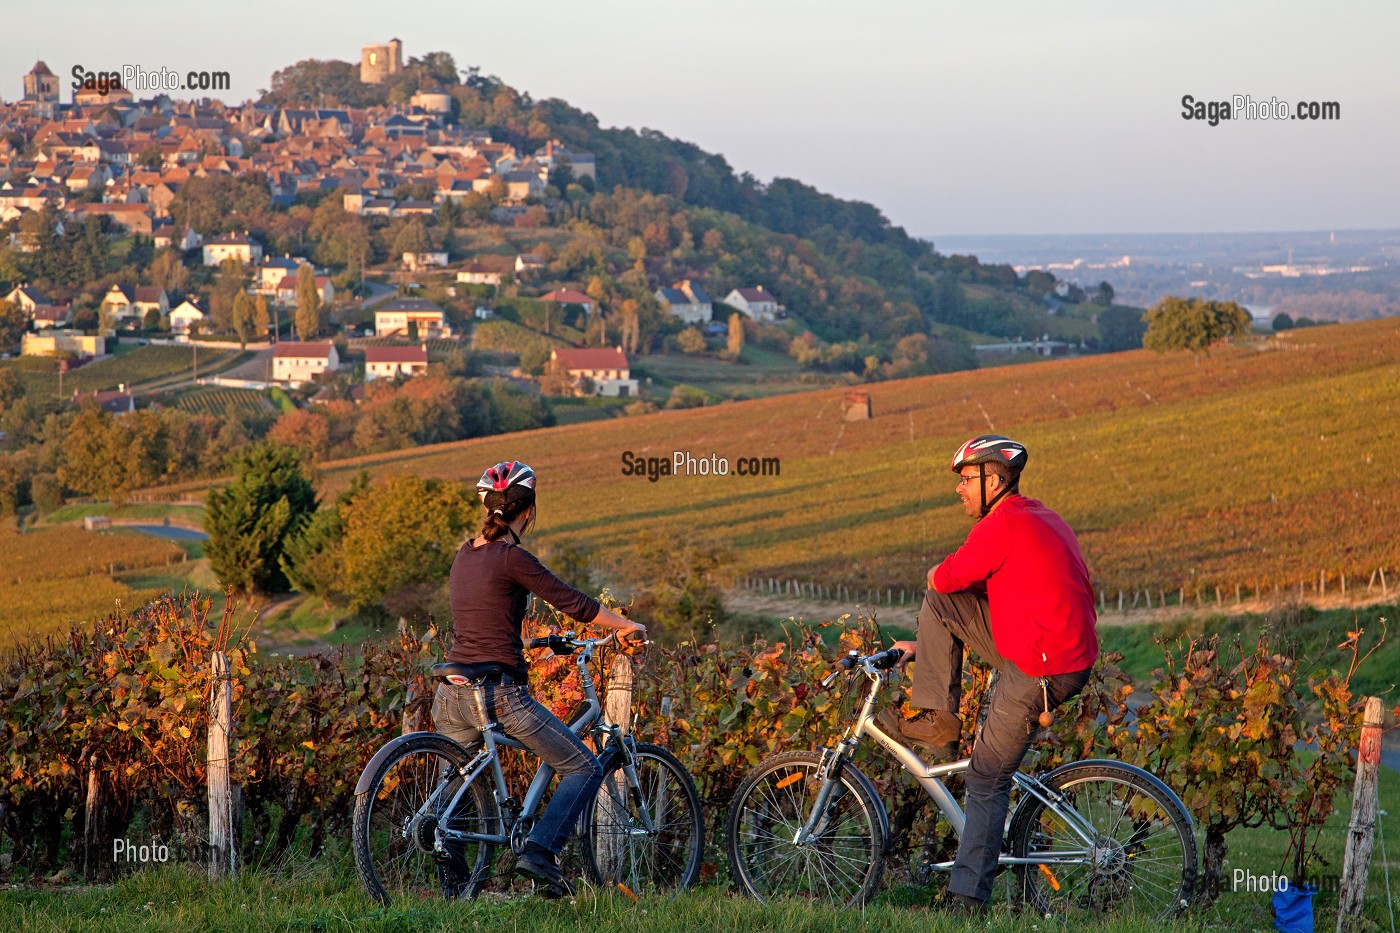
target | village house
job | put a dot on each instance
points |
(79, 345)
(186, 314)
(756, 303)
(529, 262)
(236, 246)
(391, 362)
(53, 315)
(286, 291)
(687, 301)
(418, 262)
(607, 369)
(165, 237)
(113, 401)
(151, 298)
(395, 319)
(117, 303)
(28, 298)
(299, 363)
(571, 296)
(477, 272)
(268, 276)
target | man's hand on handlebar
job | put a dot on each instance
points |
(908, 647)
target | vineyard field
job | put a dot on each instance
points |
(55, 575)
(1259, 465)
(216, 401)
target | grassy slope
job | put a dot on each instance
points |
(1245, 467)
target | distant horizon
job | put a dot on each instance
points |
(1108, 233)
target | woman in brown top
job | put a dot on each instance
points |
(491, 582)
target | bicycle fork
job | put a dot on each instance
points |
(829, 770)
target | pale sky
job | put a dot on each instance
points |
(952, 118)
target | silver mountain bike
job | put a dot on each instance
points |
(1091, 838)
(425, 801)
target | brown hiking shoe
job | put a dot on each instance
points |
(937, 729)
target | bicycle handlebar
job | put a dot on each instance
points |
(870, 663)
(566, 643)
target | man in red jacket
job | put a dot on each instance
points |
(1017, 593)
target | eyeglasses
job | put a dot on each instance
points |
(965, 478)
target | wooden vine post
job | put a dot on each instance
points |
(221, 847)
(617, 704)
(1361, 832)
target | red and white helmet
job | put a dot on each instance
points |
(504, 475)
(990, 448)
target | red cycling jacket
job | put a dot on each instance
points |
(1042, 606)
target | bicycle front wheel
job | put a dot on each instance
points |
(840, 864)
(648, 837)
(396, 823)
(1141, 858)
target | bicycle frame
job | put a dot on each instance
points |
(608, 736)
(930, 778)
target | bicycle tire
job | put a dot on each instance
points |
(616, 847)
(1143, 862)
(394, 834)
(842, 867)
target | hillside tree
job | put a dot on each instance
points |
(1121, 329)
(1192, 324)
(14, 321)
(250, 520)
(308, 320)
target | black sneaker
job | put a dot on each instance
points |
(539, 865)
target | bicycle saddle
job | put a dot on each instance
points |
(455, 673)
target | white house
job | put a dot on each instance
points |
(286, 291)
(607, 368)
(151, 298)
(236, 246)
(269, 275)
(185, 314)
(478, 273)
(390, 362)
(395, 317)
(28, 298)
(118, 302)
(299, 363)
(756, 303)
(687, 301)
(418, 262)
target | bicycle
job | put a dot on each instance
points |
(1094, 837)
(424, 801)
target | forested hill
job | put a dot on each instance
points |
(851, 237)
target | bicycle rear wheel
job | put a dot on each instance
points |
(397, 818)
(617, 846)
(1142, 861)
(840, 865)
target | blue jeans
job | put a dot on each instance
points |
(527, 721)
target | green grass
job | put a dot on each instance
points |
(1315, 633)
(324, 894)
(185, 515)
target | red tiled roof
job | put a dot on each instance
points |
(395, 355)
(568, 296)
(607, 358)
(303, 351)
